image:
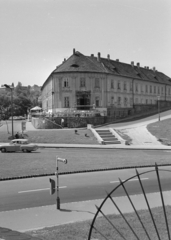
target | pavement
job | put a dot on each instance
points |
(15, 224)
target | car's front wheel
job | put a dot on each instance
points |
(3, 150)
(28, 151)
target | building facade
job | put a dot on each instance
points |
(87, 82)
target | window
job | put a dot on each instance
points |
(154, 89)
(66, 84)
(130, 86)
(136, 100)
(119, 100)
(125, 86)
(119, 85)
(131, 102)
(82, 82)
(97, 101)
(142, 88)
(146, 88)
(112, 100)
(112, 83)
(162, 90)
(125, 101)
(150, 89)
(169, 91)
(97, 84)
(158, 90)
(66, 101)
(136, 87)
(146, 101)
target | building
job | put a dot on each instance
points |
(87, 82)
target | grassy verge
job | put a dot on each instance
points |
(57, 136)
(44, 161)
(80, 230)
(161, 130)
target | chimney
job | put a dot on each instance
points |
(92, 55)
(154, 69)
(147, 67)
(138, 65)
(108, 56)
(132, 64)
(117, 60)
(73, 51)
(64, 60)
(98, 57)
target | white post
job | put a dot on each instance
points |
(57, 190)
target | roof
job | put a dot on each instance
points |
(20, 139)
(36, 108)
(80, 63)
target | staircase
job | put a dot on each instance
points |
(108, 137)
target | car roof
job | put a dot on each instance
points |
(19, 139)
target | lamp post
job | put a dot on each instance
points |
(158, 101)
(11, 89)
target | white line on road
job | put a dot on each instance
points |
(134, 179)
(38, 190)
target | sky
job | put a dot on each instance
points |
(36, 35)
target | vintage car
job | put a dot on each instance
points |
(18, 145)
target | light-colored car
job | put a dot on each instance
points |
(18, 145)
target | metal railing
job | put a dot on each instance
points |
(96, 231)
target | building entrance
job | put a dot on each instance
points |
(83, 100)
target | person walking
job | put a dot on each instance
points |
(17, 135)
(62, 122)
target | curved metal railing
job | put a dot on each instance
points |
(144, 230)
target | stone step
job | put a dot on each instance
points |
(112, 142)
(103, 132)
(110, 139)
(105, 135)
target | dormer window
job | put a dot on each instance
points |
(75, 65)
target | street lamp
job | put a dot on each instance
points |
(11, 88)
(52, 182)
(158, 101)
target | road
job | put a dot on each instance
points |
(26, 193)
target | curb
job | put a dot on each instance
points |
(85, 171)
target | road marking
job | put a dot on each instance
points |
(134, 179)
(38, 190)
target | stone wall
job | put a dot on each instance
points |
(115, 116)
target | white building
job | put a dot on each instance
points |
(83, 82)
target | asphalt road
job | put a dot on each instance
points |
(34, 192)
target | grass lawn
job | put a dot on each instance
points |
(161, 129)
(43, 161)
(80, 230)
(57, 136)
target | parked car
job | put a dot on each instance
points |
(18, 145)
(17, 118)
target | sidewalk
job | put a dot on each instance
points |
(111, 146)
(40, 217)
